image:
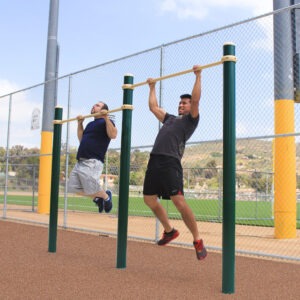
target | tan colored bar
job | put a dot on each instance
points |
(224, 58)
(103, 112)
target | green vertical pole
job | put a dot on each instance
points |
(228, 263)
(55, 175)
(124, 175)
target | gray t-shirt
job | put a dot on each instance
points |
(173, 135)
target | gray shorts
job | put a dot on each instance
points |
(85, 177)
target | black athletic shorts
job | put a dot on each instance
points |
(163, 177)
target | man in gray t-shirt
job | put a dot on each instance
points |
(176, 130)
(164, 176)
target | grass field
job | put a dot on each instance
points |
(247, 212)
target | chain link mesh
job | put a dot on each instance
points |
(202, 161)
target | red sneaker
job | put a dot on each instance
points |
(200, 249)
(168, 237)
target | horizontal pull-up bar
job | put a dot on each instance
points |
(101, 113)
(224, 58)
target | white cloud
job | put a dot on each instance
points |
(6, 87)
(255, 6)
(241, 129)
(22, 105)
(20, 119)
(266, 42)
(200, 9)
(183, 9)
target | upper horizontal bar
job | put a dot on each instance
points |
(224, 58)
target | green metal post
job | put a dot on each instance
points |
(55, 175)
(124, 175)
(228, 263)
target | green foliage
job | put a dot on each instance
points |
(254, 162)
(136, 178)
(216, 154)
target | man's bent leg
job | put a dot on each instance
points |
(189, 220)
(169, 233)
(187, 215)
(158, 210)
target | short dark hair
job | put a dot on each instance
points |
(186, 96)
(104, 106)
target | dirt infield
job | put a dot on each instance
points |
(84, 267)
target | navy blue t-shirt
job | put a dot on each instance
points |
(95, 141)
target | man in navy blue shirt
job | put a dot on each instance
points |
(94, 141)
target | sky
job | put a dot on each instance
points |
(92, 32)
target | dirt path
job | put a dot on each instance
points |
(84, 267)
(248, 238)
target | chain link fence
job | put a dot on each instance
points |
(202, 161)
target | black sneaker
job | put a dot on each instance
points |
(201, 252)
(99, 202)
(108, 203)
(167, 237)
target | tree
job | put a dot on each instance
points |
(136, 178)
(211, 170)
(139, 159)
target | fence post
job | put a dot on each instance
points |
(33, 186)
(229, 139)
(124, 175)
(7, 157)
(55, 175)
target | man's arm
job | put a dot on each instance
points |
(80, 127)
(153, 104)
(111, 130)
(196, 93)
